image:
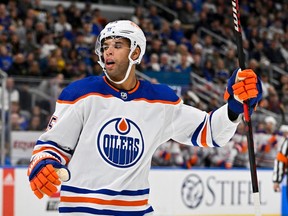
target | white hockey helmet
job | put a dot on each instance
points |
(125, 29)
(270, 119)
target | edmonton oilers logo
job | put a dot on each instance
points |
(120, 142)
(192, 191)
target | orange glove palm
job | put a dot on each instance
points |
(246, 87)
(44, 182)
(243, 85)
(43, 176)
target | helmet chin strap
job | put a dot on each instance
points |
(124, 79)
(131, 62)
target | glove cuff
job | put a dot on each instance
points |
(39, 158)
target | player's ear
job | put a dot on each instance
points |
(135, 53)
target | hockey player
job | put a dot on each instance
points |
(267, 142)
(239, 153)
(105, 129)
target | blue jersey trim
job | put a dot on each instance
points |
(96, 85)
(210, 119)
(104, 211)
(105, 191)
(39, 142)
(196, 133)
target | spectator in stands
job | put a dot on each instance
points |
(29, 44)
(164, 63)
(23, 7)
(196, 66)
(153, 64)
(274, 54)
(230, 59)
(165, 32)
(35, 124)
(62, 26)
(101, 19)
(57, 54)
(15, 121)
(283, 81)
(213, 103)
(19, 118)
(11, 93)
(5, 19)
(41, 114)
(73, 15)
(208, 48)
(40, 11)
(47, 46)
(193, 40)
(266, 85)
(274, 103)
(154, 17)
(221, 71)
(6, 59)
(183, 50)
(209, 70)
(173, 54)
(138, 15)
(34, 69)
(89, 37)
(87, 12)
(19, 65)
(58, 10)
(50, 90)
(203, 21)
(15, 43)
(156, 47)
(52, 68)
(83, 49)
(96, 27)
(177, 33)
(191, 98)
(184, 66)
(258, 52)
(284, 98)
(190, 16)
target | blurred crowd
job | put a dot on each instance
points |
(56, 45)
(267, 140)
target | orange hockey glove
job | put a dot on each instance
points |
(42, 175)
(241, 86)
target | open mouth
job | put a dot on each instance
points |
(109, 63)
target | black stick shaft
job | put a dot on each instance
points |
(249, 131)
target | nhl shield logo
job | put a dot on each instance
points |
(120, 142)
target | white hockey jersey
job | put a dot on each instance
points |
(107, 138)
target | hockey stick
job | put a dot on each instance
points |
(248, 128)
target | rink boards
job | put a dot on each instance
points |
(173, 192)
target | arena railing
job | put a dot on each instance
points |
(3, 77)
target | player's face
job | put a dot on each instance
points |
(115, 53)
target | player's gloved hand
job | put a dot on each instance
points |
(42, 175)
(243, 85)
